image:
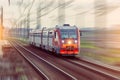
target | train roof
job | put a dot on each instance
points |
(35, 31)
(66, 26)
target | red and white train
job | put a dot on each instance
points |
(64, 40)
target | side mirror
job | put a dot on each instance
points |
(55, 34)
(80, 33)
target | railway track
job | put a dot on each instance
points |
(88, 66)
(45, 68)
(32, 63)
(103, 67)
(107, 72)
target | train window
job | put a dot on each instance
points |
(50, 32)
(68, 33)
(72, 35)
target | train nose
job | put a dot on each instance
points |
(69, 48)
(68, 41)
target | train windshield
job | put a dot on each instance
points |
(68, 33)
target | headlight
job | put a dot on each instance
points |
(76, 41)
(69, 42)
(63, 41)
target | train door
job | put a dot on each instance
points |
(50, 38)
(56, 42)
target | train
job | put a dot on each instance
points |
(61, 40)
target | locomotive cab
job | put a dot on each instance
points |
(69, 41)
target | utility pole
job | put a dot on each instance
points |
(1, 26)
(61, 12)
(28, 24)
(39, 19)
(24, 28)
(9, 2)
(100, 13)
(100, 22)
(28, 19)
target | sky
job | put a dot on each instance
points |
(82, 13)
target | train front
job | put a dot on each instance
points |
(70, 40)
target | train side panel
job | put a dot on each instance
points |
(44, 40)
(37, 39)
(31, 39)
(56, 41)
(50, 41)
